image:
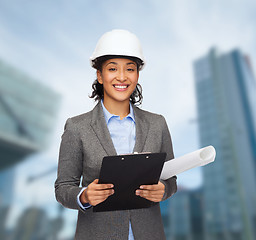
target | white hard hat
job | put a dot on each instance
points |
(120, 43)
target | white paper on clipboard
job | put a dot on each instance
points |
(194, 159)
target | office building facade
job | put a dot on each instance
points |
(186, 211)
(28, 111)
(226, 92)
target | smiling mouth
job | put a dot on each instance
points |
(120, 86)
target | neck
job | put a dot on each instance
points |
(121, 109)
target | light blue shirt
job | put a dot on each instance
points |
(123, 135)
(122, 132)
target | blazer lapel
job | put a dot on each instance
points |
(100, 128)
(142, 127)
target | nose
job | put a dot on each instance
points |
(121, 75)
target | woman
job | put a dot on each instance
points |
(114, 126)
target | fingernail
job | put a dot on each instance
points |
(137, 192)
(141, 187)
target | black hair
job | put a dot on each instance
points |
(97, 88)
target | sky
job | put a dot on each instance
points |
(52, 41)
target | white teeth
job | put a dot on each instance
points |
(120, 86)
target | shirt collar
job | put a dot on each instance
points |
(108, 115)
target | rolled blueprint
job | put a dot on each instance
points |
(194, 159)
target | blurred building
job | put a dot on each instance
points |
(226, 92)
(33, 224)
(6, 194)
(185, 213)
(6, 180)
(27, 115)
(165, 205)
(28, 112)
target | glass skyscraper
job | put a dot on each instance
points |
(28, 112)
(185, 213)
(226, 104)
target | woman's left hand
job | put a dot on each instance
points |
(153, 192)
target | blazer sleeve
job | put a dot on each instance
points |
(171, 183)
(70, 167)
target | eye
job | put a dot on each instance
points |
(130, 69)
(112, 69)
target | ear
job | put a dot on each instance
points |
(99, 77)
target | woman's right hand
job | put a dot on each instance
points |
(96, 193)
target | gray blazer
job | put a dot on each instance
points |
(85, 141)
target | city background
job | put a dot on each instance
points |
(199, 74)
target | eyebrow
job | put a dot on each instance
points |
(129, 63)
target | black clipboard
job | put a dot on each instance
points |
(127, 173)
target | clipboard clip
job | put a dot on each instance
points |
(141, 153)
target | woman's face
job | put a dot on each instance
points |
(119, 77)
